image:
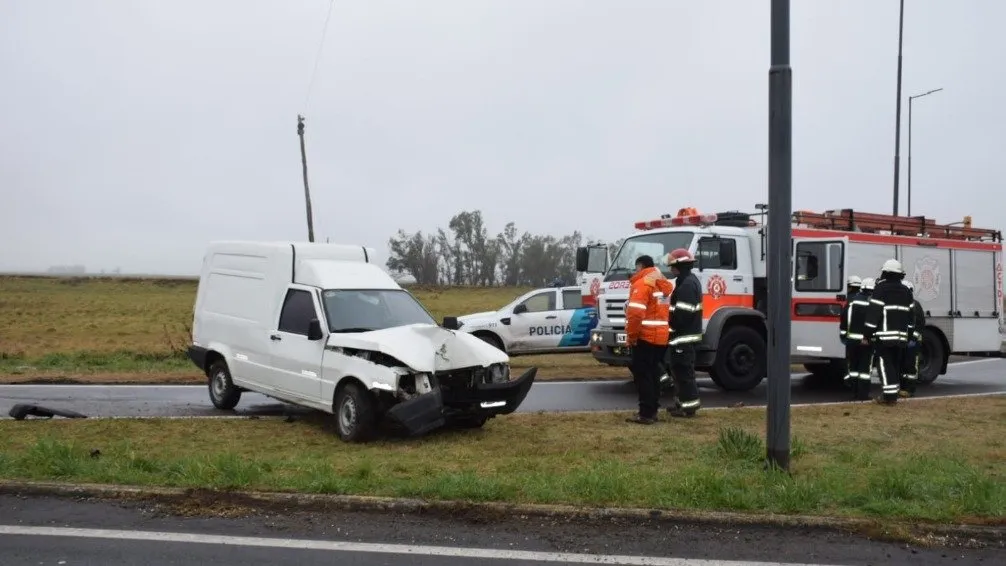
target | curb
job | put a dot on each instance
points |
(923, 534)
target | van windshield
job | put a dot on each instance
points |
(363, 310)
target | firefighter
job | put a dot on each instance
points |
(647, 333)
(858, 356)
(910, 371)
(888, 327)
(686, 332)
(852, 287)
(867, 290)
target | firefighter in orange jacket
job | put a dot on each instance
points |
(647, 332)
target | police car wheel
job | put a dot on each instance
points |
(491, 340)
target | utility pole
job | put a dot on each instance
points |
(910, 99)
(307, 191)
(897, 119)
(780, 266)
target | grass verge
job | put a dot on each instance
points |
(925, 460)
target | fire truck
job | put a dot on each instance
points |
(956, 270)
(591, 263)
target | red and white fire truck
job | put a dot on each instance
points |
(956, 270)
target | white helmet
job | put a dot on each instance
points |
(854, 281)
(892, 266)
(869, 283)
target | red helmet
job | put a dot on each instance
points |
(680, 255)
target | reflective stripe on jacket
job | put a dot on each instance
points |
(646, 311)
(852, 329)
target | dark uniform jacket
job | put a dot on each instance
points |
(889, 320)
(686, 309)
(852, 329)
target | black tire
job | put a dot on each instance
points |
(740, 359)
(223, 394)
(355, 412)
(932, 357)
(492, 340)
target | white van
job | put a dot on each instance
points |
(319, 325)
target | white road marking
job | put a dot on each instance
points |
(378, 548)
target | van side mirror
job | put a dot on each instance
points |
(451, 323)
(520, 309)
(582, 258)
(314, 330)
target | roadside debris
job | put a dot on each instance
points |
(21, 411)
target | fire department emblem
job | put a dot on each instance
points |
(927, 279)
(716, 286)
(595, 287)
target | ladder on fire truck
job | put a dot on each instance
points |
(848, 220)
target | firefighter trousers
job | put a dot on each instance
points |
(646, 358)
(891, 361)
(860, 360)
(910, 370)
(683, 368)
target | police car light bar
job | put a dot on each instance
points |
(690, 220)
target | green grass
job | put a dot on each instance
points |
(936, 460)
(114, 330)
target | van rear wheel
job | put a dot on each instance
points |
(223, 394)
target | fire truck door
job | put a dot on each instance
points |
(818, 293)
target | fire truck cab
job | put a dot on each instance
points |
(956, 270)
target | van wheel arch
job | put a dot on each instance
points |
(355, 410)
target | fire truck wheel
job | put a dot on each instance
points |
(740, 359)
(931, 357)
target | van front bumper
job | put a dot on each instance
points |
(198, 356)
(428, 412)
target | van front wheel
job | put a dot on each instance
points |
(223, 393)
(355, 413)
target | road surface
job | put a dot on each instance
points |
(971, 377)
(50, 531)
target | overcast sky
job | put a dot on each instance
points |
(134, 132)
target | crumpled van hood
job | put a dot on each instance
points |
(424, 347)
(476, 315)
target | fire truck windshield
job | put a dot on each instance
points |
(656, 245)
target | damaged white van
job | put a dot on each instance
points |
(319, 325)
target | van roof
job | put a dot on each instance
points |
(337, 274)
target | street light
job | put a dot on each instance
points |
(897, 118)
(910, 99)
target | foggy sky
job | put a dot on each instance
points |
(132, 133)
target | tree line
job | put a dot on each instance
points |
(466, 254)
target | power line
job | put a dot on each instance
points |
(317, 57)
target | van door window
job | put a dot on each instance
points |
(298, 310)
(541, 302)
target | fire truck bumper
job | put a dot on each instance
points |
(607, 345)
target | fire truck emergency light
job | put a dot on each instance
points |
(686, 220)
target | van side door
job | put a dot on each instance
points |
(577, 319)
(296, 351)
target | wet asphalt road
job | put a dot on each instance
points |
(971, 377)
(507, 540)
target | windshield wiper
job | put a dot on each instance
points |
(352, 329)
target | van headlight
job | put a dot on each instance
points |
(499, 373)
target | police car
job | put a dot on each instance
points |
(543, 321)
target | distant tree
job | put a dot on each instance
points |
(466, 254)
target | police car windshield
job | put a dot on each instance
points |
(363, 310)
(655, 245)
